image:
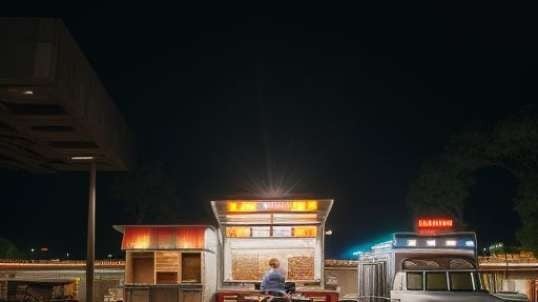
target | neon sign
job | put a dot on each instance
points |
(434, 225)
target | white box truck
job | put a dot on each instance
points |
(422, 267)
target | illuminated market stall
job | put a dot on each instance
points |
(170, 263)
(254, 231)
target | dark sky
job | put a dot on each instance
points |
(344, 103)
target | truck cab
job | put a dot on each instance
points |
(423, 267)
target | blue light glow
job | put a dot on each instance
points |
(353, 251)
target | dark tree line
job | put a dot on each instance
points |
(8, 250)
(148, 193)
(444, 182)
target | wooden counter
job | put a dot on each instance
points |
(164, 293)
(238, 294)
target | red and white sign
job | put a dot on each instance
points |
(434, 225)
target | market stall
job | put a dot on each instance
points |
(38, 289)
(256, 230)
(170, 263)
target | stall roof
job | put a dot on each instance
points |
(271, 211)
(162, 237)
(53, 107)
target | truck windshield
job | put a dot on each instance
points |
(436, 281)
(414, 281)
(461, 281)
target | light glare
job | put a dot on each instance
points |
(469, 243)
(82, 157)
(450, 243)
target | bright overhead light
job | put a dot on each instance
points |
(412, 242)
(469, 243)
(430, 242)
(451, 243)
(82, 157)
(28, 92)
(328, 232)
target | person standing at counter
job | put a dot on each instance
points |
(274, 280)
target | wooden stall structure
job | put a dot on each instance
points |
(59, 290)
(256, 230)
(170, 263)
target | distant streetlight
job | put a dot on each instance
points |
(328, 232)
(109, 256)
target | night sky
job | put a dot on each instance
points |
(343, 104)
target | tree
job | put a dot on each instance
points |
(8, 250)
(148, 193)
(443, 183)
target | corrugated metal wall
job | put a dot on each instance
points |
(373, 280)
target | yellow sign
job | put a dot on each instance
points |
(273, 206)
(305, 231)
(237, 232)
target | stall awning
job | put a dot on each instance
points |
(162, 237)
(271, 211)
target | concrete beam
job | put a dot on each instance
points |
(51, 98)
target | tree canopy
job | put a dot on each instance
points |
(8, 250)
(149, 195)
(444, 182)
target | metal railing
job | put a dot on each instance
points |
(368, 298)
(58, 261)
(491, 259)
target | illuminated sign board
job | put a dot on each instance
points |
(274, 231)
(261, 231)
(238, 232)
(305, 231)
(434, 225)
(282, 231)
(273, 206)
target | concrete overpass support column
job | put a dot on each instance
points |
(90, 254)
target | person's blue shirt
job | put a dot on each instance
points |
(273, 280)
